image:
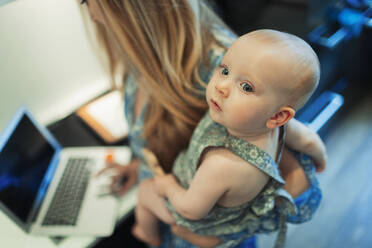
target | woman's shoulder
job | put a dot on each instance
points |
(224, 35)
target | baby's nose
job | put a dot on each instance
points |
(223, 88)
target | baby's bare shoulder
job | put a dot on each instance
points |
(242, 179)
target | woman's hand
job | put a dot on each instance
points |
(319, 156)
(125, 176)
(294, 176)
(195, 239)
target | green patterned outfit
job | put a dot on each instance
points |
(227, 221)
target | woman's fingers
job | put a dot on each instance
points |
(108, 167)
(126, 178)
(195, 239)
(127, 185)
(123, 177)
(118, 179)
(319, 166)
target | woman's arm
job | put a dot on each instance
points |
(302, 138)
(293, 174)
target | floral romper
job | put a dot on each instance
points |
(227, 221)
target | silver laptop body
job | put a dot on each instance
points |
(50, 190)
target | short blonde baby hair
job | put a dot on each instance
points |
(305, 65)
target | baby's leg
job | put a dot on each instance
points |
(150, 207)
(146, 226)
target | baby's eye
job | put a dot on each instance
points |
(224, 71)
(246, 87)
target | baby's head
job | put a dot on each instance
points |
(294, 63)
(265, 77)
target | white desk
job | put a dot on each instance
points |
(13, 236)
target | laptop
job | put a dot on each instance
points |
(50, 190)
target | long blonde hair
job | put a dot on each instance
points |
(161, 42)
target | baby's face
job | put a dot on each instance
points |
(247, 88)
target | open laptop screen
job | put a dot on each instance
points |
(24, 160)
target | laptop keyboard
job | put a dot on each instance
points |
(66, 203)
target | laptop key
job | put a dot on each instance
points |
(67, 200)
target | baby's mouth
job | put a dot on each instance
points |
(215, 105)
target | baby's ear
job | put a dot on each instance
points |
(281, 117)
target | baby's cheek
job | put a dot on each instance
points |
(209, 90)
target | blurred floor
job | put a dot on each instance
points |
(344, 218)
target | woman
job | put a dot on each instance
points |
(164, 52)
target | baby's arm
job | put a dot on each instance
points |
(302, 138)
(203, 193)
(218, 174)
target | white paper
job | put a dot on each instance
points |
(109, 112)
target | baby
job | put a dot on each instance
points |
(228, 181)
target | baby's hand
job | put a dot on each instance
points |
(318, 154)
(164, 182)
(320, 162)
